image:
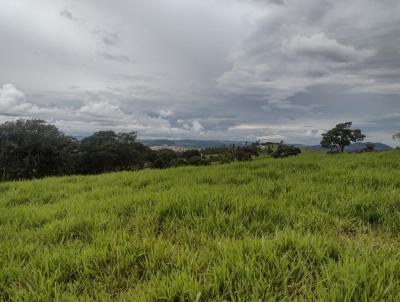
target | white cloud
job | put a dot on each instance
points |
(197, 127)
(319, 46)
(13, 102)
(272, 138)
(101, 108)
(10, 97)
(165, 113)
(379, 88)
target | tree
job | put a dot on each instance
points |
(187, 154)
(246, 152)
(242, 154)
(341, 136)
(165, 158)
(108, 151)
(369, 147)
(396, 136)
(32, 148)
(285, 150)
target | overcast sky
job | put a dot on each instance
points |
(204, 69)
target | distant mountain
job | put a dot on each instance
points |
(191, 143)
(352, 148)
(200, 144)
(360, 146)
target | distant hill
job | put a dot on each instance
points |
(352, 148)
(199, 144)
(191, 143)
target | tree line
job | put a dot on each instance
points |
(34, 149)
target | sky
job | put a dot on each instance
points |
(265, 70)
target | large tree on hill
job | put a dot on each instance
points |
(341, 136)
(32, 148)
(109, 151)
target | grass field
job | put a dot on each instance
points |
(313, 227)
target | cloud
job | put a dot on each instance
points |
(96, 111)
(101, 109)
(272, 138)
(13, 102)
(379, 88)
(194, 127)
(10, 97)
(165, 113)
(117, 58)
(68, 15)
(197, 127)
(108, 38)
(205, 68)
(308, 43)
(319, 46)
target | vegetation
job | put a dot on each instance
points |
(285, 151)
(312, 227)
(396, 136)
(33, 149)
(341, 136)
(228, 154)
(369, 147)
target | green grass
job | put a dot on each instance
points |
(314, 227)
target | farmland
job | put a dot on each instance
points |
(312, 227)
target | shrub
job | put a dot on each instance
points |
(197, 161)
(285, 151)
(369, 147)
(191, 153)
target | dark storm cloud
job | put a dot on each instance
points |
(267, 69)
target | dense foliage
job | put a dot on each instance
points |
(227, 154)
(108, 151)
(306, 228)
(34, 149)
(285, 151)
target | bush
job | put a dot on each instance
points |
(369, 147)
(246, 153)
(333, 152)
(165, 158)
(191, 153)
(197, 161)
(285, 151)
(242, 155)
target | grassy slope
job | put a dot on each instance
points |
(312, 227)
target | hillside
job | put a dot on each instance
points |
(352, 148)
(191, 143)
(200, 144)
(313, 227)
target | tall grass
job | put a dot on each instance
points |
(315, 227)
